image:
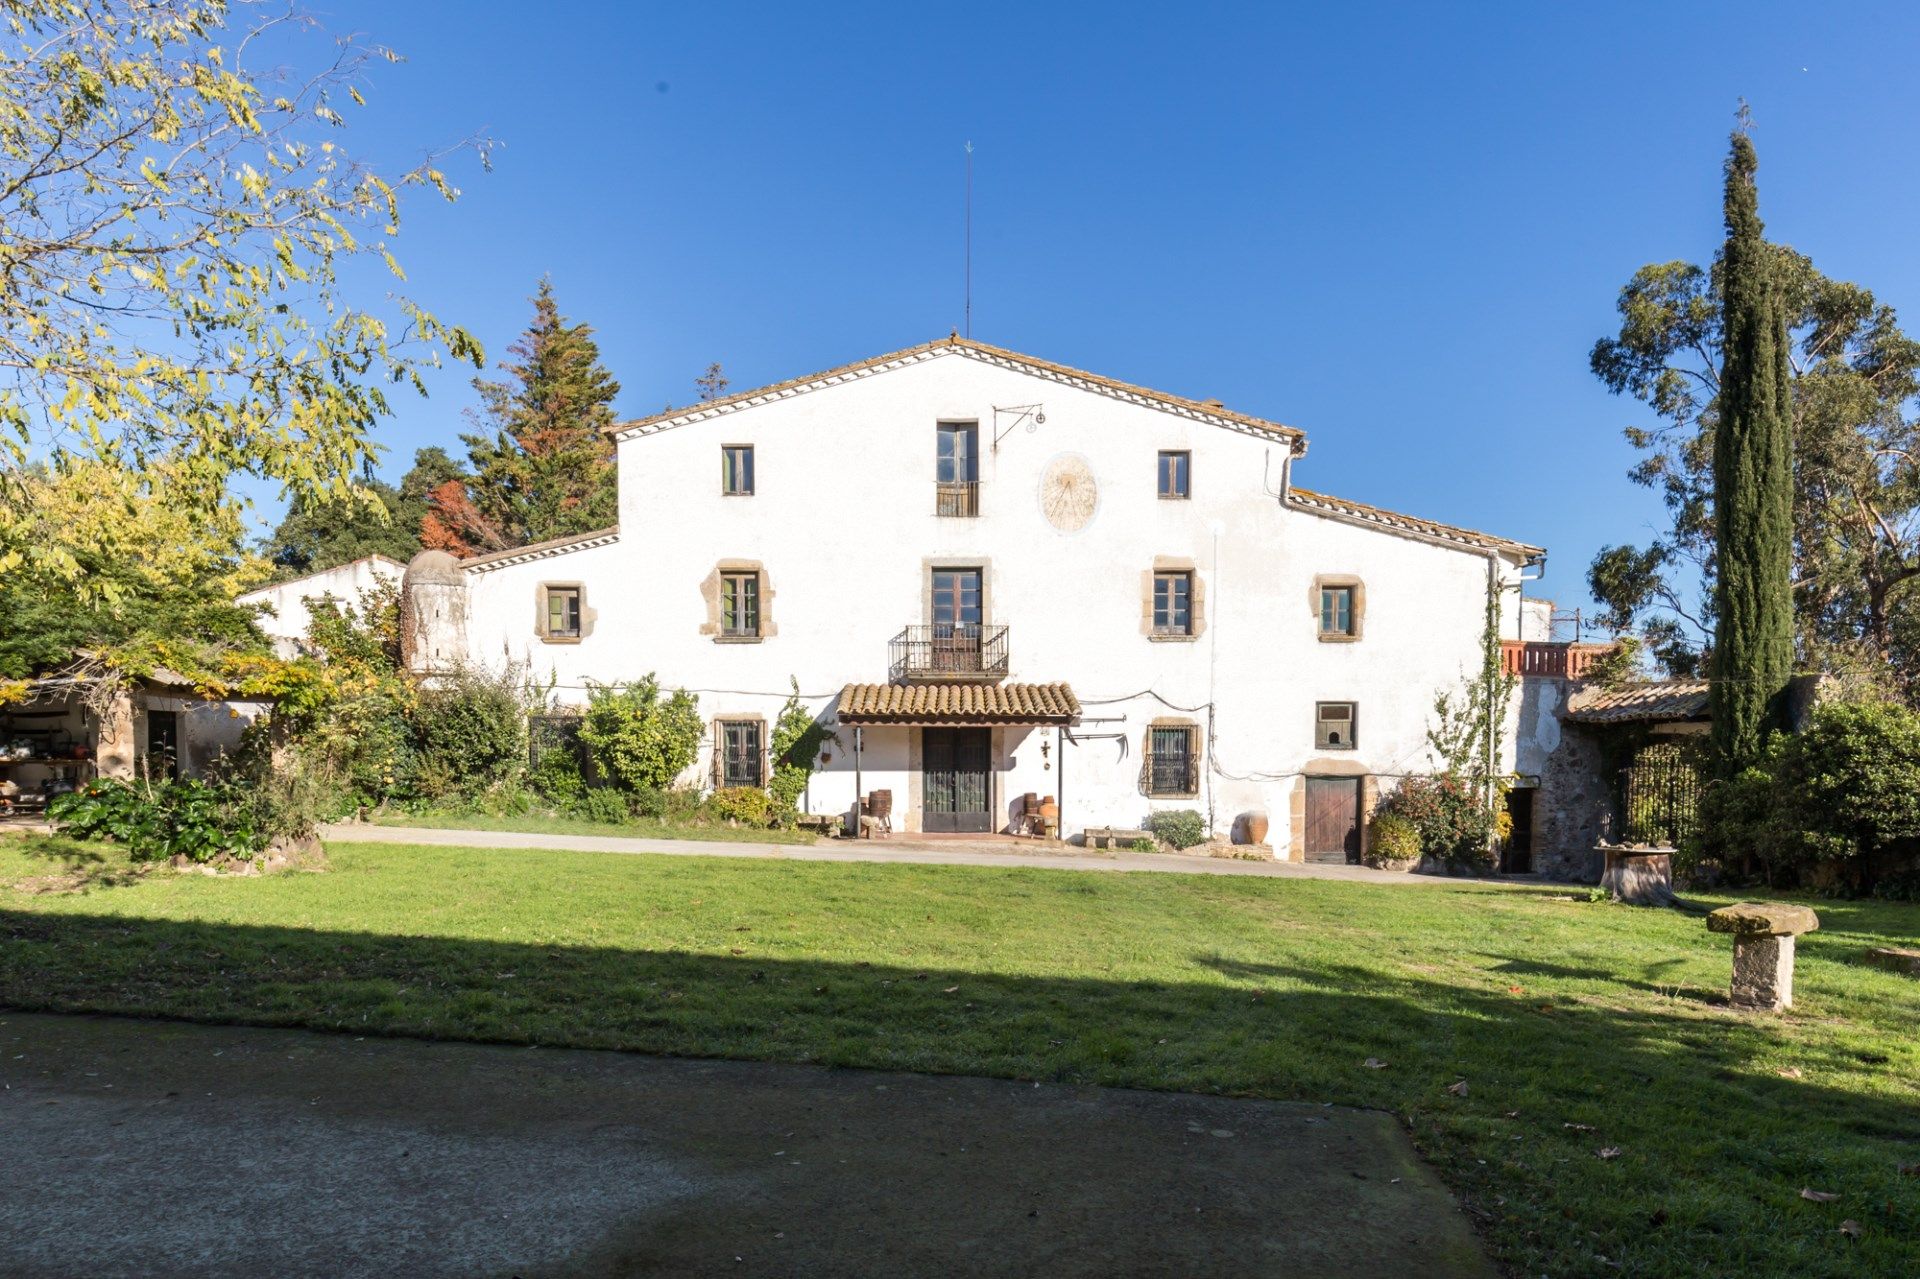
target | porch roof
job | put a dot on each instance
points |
(1672, 699)
(1014, 704)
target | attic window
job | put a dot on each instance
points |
(736, 470)
(560, 611)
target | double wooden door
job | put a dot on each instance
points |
(1333, 819)
(955, 768)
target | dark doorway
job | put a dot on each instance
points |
(1333, 819)
(163, 744)
(955, 764)
(1516, 855)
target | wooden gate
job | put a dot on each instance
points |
(1333, 819)
(955, 767)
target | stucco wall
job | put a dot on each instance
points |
(843, 522)
(288, 616)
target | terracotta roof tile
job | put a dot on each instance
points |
(1662, 700)
(1204, 410)
(958, 704)
(1360, 513)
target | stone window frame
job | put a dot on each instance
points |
(764, 764)
(711, 595)
(1159, 470)
(1194, 745)
(753, 471)
(540, 614)
(1196, 600)
(1353, 726)
(1358, 616)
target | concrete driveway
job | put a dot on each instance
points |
(159, 1148)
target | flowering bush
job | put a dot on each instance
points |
(1450, 815)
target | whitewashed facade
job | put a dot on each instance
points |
(286, 614)
(850, 540)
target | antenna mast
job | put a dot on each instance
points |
(969, 309)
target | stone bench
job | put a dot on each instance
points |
(1763, 934)
(1114, 837)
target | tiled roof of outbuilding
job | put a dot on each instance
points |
(958, 704)
(1668, 699)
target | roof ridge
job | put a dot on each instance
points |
(953, 342)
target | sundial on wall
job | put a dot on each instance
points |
(1068, 493)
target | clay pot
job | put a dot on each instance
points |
(1251, 827)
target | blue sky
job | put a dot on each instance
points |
(1400, 228)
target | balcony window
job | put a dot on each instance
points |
(1333, 726)
(1175, 470)
(740, 605)
(1173, 603)
(736, 470)
(957, 470)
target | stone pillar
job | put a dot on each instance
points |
(1763, 934)
(114, 746)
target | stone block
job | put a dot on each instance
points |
(1763, 919)
(1893, 957)
(1762, 974)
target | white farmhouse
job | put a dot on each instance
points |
(995, 577)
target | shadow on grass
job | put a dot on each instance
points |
(74, 866)
(1715, 1144)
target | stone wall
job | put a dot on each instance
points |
(1573, 809)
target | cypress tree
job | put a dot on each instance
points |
(1752, 483)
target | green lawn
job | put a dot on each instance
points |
(1576, 1027)
(554, 824)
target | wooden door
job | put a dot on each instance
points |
(1333, 819)
(956, 790)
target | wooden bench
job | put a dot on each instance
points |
(1116, 837)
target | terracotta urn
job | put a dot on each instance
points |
(1253, 825)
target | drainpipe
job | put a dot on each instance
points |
(858, 787)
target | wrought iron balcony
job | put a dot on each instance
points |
(956, 498)
(949, 651)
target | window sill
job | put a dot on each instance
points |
(1325, 638)
(1185, 794)
(561, 639)
(1176, 497)
(1328, 746)
(747, 493)
(738, 639)
(1172, 638)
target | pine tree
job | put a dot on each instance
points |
(544, 466)
(1753, 483)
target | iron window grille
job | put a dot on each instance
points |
(1335, 726)
(740, 753)
(736, 470)
(740, 605)
(1173, 763)
(1173, 603)
(1175, 471)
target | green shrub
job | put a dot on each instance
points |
(1180, 827)
(742, 804)
(796, 745)
(1392, 837)
(602, 804)
(636, 738)
(1837, 804)
(649, 802)
(157, 820)
(1454, 822)
(1144, 846)
(555, 778)
(471, 731)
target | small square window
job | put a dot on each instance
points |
(1333, 726)
(736, 470)
(1175, 469)
(563, 612)
(740, 753)
(740, 605)
(1336, 610)
(1172, 761)
(1173, 603)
